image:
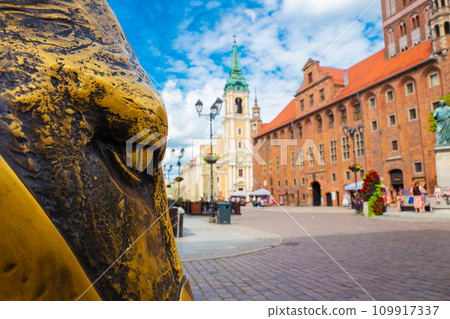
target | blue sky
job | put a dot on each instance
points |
(185, 46)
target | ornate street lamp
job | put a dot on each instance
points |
(352, 130)
(214, 111)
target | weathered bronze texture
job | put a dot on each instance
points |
(71, 94)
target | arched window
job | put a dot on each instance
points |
(437, 31)
(330, 120)
(300, 131)
(447, 27)
(319, 124)
(443, 3)
(238, 103)
(427, 13)
(402, 28)
(393, 6)
(343, 113)
(388, 7)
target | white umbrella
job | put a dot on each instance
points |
(238, 194)
(260, 192)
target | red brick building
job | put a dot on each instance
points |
(389, 95)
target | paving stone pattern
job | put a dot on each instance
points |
(391, 259)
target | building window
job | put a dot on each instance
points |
(264, 170)
(303, 181)
(301, 158)
(392, 120)
(277, 164)
(434, 79)
(409, 88)
(271, 182)
(357, 108)
(291, 133)
(238, 103)
(345, 148)
(322, 95)
(330, 120)
(374, 126)
(333, 177)
(311, 156)
(311, 100)
(319, 124)
(303, 197)
(361, 173)
(279, 184)
(412, 114)
(372, 103)
(300, 131)
(321, 155)
(395, 145)
(285, 182)
(270, 166)
(310, 77)
(239, 131)
(389, 96)
(292, 160)
(239, 145)
(241, 172)
(418, 167)
(434, 105)
(359, 145)
(302, 105)
(343, 113)
(294, 182)
(333, 153)
(347, 175)
(255, 127)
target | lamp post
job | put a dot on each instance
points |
(352, 130)
(214, 111)
(179, 167)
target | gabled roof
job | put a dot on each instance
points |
(338, 75)
(286, 116)
(360, 76)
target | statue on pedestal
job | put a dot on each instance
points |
(442, 117)
(77, 222)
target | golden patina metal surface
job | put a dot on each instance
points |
(71, 94)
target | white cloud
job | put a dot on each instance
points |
(275, 41)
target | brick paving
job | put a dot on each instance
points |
(391, 259)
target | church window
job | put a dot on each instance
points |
(238, 102)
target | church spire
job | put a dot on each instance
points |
(236, 82)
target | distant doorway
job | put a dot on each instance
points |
(329, 200)
(316, 194)
(338, 199)
(396, 179)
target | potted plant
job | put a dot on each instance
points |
(354, 168)
(211, 158)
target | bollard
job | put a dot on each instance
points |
(366, 208)
(180, 211)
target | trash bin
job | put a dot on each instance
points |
(224, 215)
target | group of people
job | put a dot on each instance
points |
(263, 201)
(418, 193)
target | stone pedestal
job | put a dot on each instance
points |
(442, 157)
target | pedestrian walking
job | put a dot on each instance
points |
(438, 194)
(400, 200)
(418, 197)
(424, 192)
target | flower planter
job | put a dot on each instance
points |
(211, 159)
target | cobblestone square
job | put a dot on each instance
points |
(391, 259)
